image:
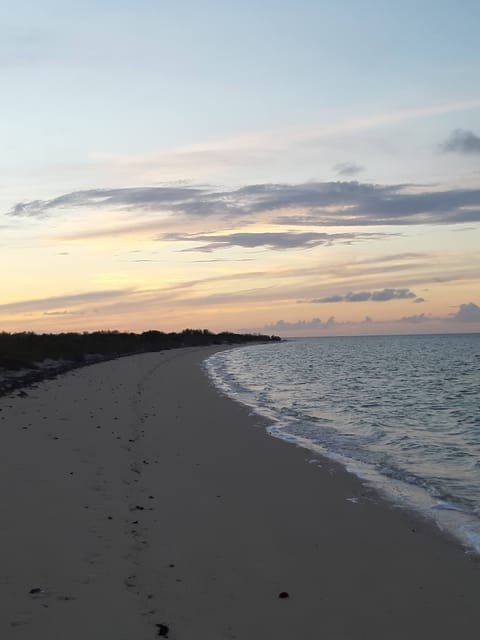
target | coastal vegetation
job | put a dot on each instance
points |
(29, 350)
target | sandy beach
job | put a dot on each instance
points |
(137, 502)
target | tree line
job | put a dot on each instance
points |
(28, 349)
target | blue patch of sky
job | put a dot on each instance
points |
(134, 77)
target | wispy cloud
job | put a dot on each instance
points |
(347, 169)
(63, 313)
(54, 302)
(266, 145)
(134, 198)
(362, 296)
(313, 203)
(462, 141)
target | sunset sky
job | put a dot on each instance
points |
(299, 168)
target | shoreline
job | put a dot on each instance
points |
(452, 519)
(135, 495)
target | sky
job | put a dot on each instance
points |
(297, 168)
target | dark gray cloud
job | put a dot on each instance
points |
(361, 296)
(392, 294)
(383, 295)
(347, 169)
(469, 312)
(462, 141)
(329, 299)
(278, 240)
(315, 203)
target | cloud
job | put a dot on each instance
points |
(279, 240)
(134, 198)
(462, 141)
(314, 203)
(53, 302)
(225, 260)
(348, 169)
(392, 294)
(63, 313)
(383, 295)
(328, 299)
(361, 296)
(283, 327)
(415, 319)
(314, 323)
(469, 312)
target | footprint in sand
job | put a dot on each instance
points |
(21, 620)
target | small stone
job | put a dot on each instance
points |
(35, 590)
(283, 595)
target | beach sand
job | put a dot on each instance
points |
(137, 502)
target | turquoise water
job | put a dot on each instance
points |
(403, 412)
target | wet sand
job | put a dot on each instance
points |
(137, 503)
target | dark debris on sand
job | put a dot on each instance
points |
(162, 630)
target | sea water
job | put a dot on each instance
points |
(402, 412)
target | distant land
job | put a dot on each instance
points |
(28, 357)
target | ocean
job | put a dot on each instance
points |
(401, 412)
